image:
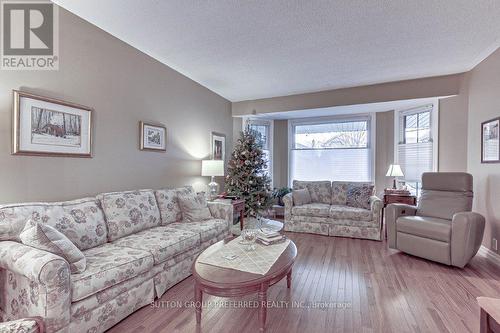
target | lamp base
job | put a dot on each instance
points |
(394, 186)
(213, 189)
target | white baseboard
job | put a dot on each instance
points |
(489, 254)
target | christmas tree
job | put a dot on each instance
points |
(247, 177)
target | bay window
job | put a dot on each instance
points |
(337, 149)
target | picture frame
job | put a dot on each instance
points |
(490, 141)
(218, 146)
(43, 126)
(152, 137)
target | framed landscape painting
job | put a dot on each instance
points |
(218, 146)
(48, 127)
(153, 137)
(490, 141)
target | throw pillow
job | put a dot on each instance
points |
(301, 197)
(44, 237)
(359, 195)
(194, 207)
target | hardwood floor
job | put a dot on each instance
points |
(362, 285)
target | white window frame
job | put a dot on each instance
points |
(371, 118)
(398, 123)
(270, 138)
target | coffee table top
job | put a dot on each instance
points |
(220, 277)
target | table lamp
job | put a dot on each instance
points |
(394, 171)
(212, 168)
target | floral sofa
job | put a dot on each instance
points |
(135, 244)
(328, 213)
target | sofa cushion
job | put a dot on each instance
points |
(44, 237)
(207, 230)
(82, 220)
(194, 207)
(339, 191)
(167, 203)
(301, 197)
(129, 212)
(320, 191)
(359, 195)
(428, 227)
(341, 212)
(108, 265)
(162, 242)
(312, 209)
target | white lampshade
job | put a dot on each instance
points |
(212, 168)
(394, 171)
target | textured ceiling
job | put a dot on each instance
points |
(255, 49)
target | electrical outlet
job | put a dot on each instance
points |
(494, 244)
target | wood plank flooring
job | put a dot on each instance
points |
(341, 285)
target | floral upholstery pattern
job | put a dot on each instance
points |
(359, 195)
(341, 220)
(223, 211)
(129, 212)
(345, 212)
(208, 229)
(82, 221)
(44, 237)
(20, 326)
(167, 203)
(320, 191)
(161, 242)
(355, 232)
(194, 207)
(172, 274)
(108, 265)
(34, 283)
(108, 314)
(312, 209)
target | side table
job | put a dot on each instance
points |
(238, 208)
(397, 198)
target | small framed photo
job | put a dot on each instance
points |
(490, 141)
(45, 126)
(218, 146)
(153, 137)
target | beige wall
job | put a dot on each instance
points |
(484, 104)
(453, 122)
(280, 153)
(384, 149)
(420, 88)
(124, 86)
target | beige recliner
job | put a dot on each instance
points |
(442, 227)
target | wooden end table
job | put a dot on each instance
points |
(490, 315)
(225, 282)
(397, 198)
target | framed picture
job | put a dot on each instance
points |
(153, 137)
(48, 127)
(218, 146)
(490, 147)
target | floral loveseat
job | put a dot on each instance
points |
(328, 213)
(135, 244)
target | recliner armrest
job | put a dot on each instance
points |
(392, 213)
(288, 201)
(467, 230)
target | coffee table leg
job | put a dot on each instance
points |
(263, 307)
(289, 279)
(198, 298)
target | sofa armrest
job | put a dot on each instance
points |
(288, 201)
(222, 210)
(25, 325)
(466, 236)
(30, 269)
(392, 213)
(376, 206)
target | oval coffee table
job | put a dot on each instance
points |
(226, 282)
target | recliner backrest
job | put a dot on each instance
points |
(445, 194)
